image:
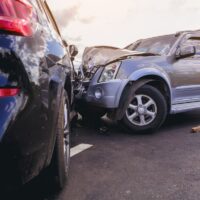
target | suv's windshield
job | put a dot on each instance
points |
(157, 45)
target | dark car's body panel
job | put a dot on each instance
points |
(41, 67)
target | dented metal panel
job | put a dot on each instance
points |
(153, 58)
(101, 56)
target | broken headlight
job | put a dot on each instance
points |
(109, 72)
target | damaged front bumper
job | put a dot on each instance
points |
(105, 95)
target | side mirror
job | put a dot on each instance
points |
(185, 51)
(73, 50)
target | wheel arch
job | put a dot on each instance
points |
(56, 90)
(154, 80)
(160, 84)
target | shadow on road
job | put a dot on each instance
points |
(182, 120)
(39, 189)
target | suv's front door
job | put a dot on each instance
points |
(186, 74)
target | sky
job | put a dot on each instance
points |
(121, 22)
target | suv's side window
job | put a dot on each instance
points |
(193, 41)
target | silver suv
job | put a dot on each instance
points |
(140, 84)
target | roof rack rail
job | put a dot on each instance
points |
(186, 31)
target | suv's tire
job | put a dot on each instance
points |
(147, 110)
(61, 157)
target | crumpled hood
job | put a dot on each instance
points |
(102, 55)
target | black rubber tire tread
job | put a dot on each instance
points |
(58, 168)
(159, 99)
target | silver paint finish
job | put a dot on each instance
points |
(109, 90)
(139, 113)
(181, 76)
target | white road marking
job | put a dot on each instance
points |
(79, 148)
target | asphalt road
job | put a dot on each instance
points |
(121, 166)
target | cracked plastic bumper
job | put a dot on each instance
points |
(110, 93)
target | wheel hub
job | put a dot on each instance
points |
(142, 110)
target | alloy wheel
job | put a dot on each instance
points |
(142, 110)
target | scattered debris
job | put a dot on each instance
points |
(196, 129)
(103, 129)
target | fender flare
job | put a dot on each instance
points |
(130, 88)
(143, 74)
(57, 92)
(58, 87)
(150, 71)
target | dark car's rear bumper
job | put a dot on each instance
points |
(10, 108)
(16, 151)
(9, 170)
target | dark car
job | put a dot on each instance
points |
(36, 94)
(143, 83)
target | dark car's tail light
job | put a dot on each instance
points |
(8, 92)
(15, 17)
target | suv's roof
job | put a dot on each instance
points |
(187, 31)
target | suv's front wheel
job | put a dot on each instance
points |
(146, 111)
